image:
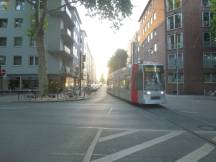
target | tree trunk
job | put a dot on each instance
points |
(42, 67)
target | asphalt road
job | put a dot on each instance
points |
(106, 129)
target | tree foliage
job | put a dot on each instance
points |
(213, 20)
(118, 60)
(102, 79)
(112, 10)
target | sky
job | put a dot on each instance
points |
(103, 41)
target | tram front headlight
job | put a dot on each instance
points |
(148, 92)
(162, 92)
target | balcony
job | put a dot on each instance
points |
(65, 14)
(67, 36)
(65, 52)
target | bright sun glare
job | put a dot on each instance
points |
(103, 41)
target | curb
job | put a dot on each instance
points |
(43, 101)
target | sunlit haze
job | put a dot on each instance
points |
(103, 41)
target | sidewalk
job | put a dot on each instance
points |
(193, 97)
(24, 98)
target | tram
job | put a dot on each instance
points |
(138, 83)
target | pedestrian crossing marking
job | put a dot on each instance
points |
(198, 154)
(139, 147)
(107, 138)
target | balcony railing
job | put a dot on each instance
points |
(67, 50)
(65, 13)
(66, 34)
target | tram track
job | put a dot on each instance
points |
(193, 132)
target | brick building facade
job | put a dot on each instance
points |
(177, 34)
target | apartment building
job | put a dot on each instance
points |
(186, 47)
(151, 35)
(18, 52)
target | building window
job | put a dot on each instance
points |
(207, 40)
(3, 41)
(18, 22)
(148, 38)
(209, 60)
(75, 52)
(155, 16)
(32, 42)
(173, 62)
(206, 3)
(151, 35)
(209, 77)
(33, 60)
(171, 41)
(4, 4)
(18, 41)
(178, 20)
(17, 60)
(3, 23)
(174, 40)
(173, 4)
(20, 4)
(151, 20)
(155, 33)
(173, 77)
(2, 60)
(155, 47)
(170, 22)
(174, 21)
(179, 40)
(207, 18)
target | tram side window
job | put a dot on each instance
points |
(127, 83)
(122, 84)
(139, 81)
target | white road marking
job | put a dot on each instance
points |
(198, 154)
(110, 110)
(131, 150)
(128, 129)
(91, 148)
(107, 138)
(189, 112)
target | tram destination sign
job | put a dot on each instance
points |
(153, 69)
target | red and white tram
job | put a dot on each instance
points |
(138, 83)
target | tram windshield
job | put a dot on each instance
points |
(153, 78)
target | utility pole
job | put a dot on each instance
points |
(80, 74)
(0, 76)
(1, 85)
(177, 70)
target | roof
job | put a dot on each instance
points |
(145, 9)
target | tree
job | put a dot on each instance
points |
(118, 60)
(102, 79)
(213, 20)
(113, 10)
